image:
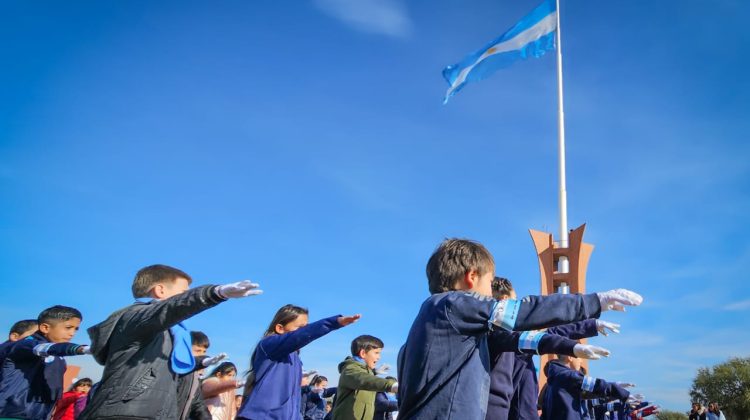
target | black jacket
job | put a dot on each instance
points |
(134, 345)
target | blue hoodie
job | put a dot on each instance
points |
(444, 366)
(277, 392)
(32, 377)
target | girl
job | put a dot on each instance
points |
(273, 389)
(315, 398)
(218, 391)
(65, 405)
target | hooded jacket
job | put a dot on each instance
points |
(134, 345)
(31, 378)
(355, 396)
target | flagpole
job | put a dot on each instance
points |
(563, 197)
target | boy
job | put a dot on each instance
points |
(355, 397)
(567, 387)
(33, 369)
(22, 329)
(189, 398)
(444, 365)
(144, 347)
(505, 347)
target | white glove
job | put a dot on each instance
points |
(84, 349)
(394, 388)
(625, 384)
(382, 369)
(240, 383)
(603, 326)
(239, 289)
(636, 398)
(617, 299)
(208, 361)
(587, 351)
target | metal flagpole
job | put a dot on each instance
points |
(563, 198)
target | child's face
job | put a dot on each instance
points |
(298, 323)
(321, 385)
(16, 336)
(481, 284)
(85, 388)
(199, 350)
(229, 375)
(60, 331)
(167, 289)
(370, 357)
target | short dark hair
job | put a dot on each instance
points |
(147, 277)
(452, 259)
(366, 343)
(198, 338)
(58, 313)
(224, 368)
(20, 327)
(501, 287)
(318, 379)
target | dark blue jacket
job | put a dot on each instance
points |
(443, 368)
(566, 388)
(32, 377)
(314, 404)
(277, 392)
(503, 347)
(384, 407)
(523, 405)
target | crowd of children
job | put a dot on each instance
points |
(468, 355)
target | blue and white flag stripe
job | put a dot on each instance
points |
(588, 384)
(533, 36)
(529, 340)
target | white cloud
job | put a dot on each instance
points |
(387, 17)
(738, 306)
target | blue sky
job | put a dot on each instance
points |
(304, 145)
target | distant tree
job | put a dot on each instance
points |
(671, 415)
(728, 384)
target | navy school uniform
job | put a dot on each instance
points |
(444, 366)
(565, 388)
(523, 404)
(503, 347)
(32, 376)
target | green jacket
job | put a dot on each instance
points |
(355, 395)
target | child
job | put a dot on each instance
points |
(144, 347)
(314, 398)
(355, 396)
(218, 391)
(444, 365)
(505, 346)
(273, 389)
(189, 398)
(567, 387)
(33, 369)
(385, 404)
(22, 329)
(65, 407)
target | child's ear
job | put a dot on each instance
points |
(44, 328)
(279, 329)
(470, 278)
(157, 292)
(362, 353)
(13, 336)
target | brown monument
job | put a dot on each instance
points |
(552, 278)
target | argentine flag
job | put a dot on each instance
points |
(531, 37)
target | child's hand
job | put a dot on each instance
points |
(587, 351)
(239, 289)
(208, 361)
(240, 384)
(382, 369)
(603, 326)
(347, 320)
(84, 350)
(625, 384)
(618, 298)
(635, 398)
